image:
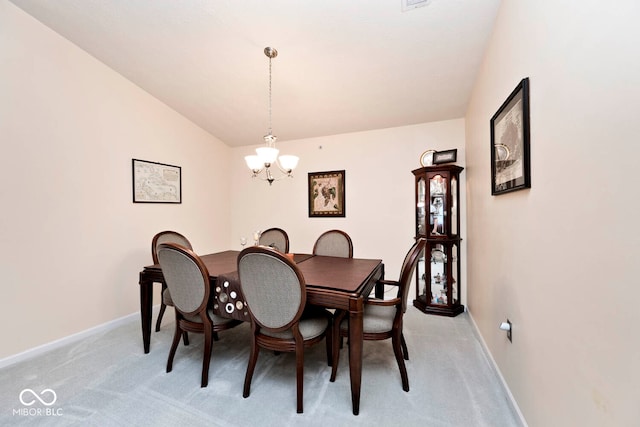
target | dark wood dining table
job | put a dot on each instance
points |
(331, 282)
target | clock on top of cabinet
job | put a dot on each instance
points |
(438, 220)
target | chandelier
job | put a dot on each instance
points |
(267, 156)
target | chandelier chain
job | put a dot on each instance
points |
(270, 130)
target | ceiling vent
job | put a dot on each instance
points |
(413, 4)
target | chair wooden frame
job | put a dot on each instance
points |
(206, 325)
(297, 344)
(399, 302)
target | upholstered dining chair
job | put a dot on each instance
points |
(166, 237)
(187, 279)
(275, 292)
(334, 243)
(382, 319)
(276, 238)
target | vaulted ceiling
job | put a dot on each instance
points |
(343, 66)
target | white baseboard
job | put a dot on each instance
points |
(505, 386)
(36, 351)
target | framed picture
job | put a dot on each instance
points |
(510, 152)
(156, 182)
(326, 194)
(447, 156)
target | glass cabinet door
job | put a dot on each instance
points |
(421, 275)
(421, 211)
(438, 274)
(454, 206)
(455, 272)
(437, 205)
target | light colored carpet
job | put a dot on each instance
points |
(107, 380)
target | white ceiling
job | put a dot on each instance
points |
(343, 66)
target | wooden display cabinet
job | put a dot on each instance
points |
(438, 220)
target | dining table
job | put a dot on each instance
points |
(331, 282)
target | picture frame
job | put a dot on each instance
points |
(155, 182)
(326, 194)
(446, 156)
(510, 143)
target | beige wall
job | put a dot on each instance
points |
(380, 196)
(559, 259)
(72, 240)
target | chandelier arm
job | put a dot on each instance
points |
(281, 177)
(288, 172)
(270, 177)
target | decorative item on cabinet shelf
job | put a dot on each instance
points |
(447, 156)
(433, 157)
(426, 158)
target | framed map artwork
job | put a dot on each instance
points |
(156, 182)
(510, 152)
(326, 194)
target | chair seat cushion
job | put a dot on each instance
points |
(375, 319)
(310, 327)
(217, 320)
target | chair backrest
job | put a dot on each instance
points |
(334, 243)
(276, 238)
(186, 277)
(168, 237)
(273, 287)
(407, 270)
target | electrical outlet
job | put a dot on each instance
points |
(510, 331)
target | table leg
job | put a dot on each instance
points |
(379, 288)
(355, 354)
(146, 301)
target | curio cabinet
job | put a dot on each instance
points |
(438, 220)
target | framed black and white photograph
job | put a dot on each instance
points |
(446, 156)
(156, 182)
(510, 143)
(326, 194)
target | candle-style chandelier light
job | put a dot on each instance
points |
(267, 156)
